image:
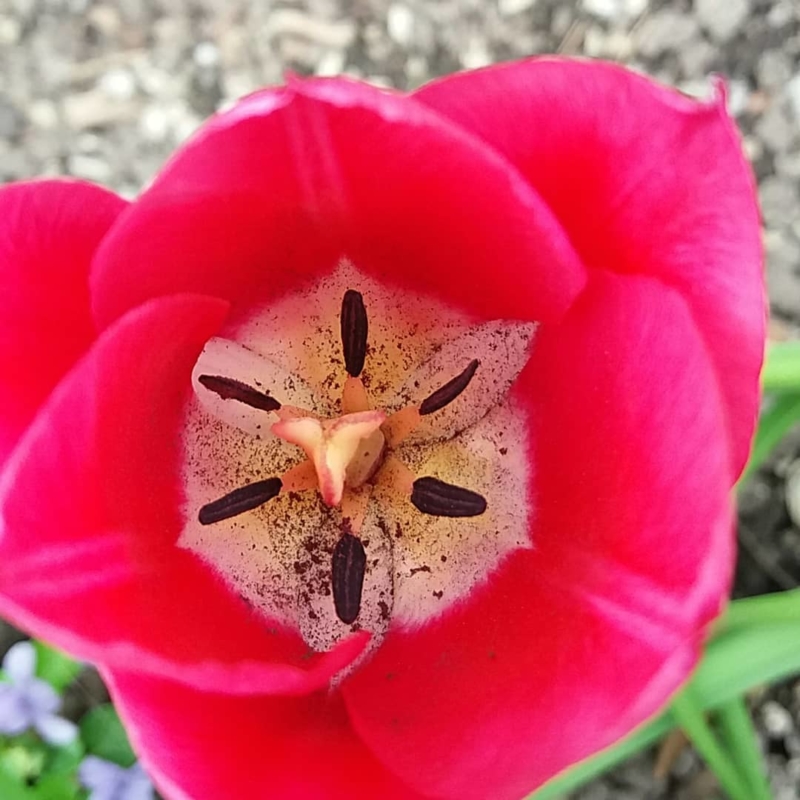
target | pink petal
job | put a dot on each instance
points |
(49, 231)
(289, 180)
(89, 516)
(206, 746)
(645, 180)
(573, 643)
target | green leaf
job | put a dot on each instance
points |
(57, 787)
(689, 715)
(47, 787)
(762, 610)
(104, 736)
(776, 421)
(745, 657)
(739, 738)
(55, 667)
(781, 371)
(22, 757)
(64, 760)
(12, 789)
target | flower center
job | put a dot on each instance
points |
(378, 470)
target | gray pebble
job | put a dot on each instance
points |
(776, 129)
(12, 120)
(666, 30)
(697, 56)
(792, 92)
(787, 165)
(511, 7)
(90, 168)
(615, 10)
(777, 720)
(779, 201)
(722, 18)
(783, 271)
(793, 492)
(400, 24)
(774, 69)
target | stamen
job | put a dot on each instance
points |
(300, 478)
(400, 425)
(396, 474)
(354, 328)
(354, 506)
(230, 389)
(347, 577)
(240, 500)
(452, 389)
(354, 396)
(404, 422)
(440, 499)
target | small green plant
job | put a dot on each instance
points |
(44, 756)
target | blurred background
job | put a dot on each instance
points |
(106, 90)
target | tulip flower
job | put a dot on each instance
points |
(383, 447)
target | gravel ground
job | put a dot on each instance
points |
(105, 91)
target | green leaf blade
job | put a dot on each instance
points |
(781, 371)
(104, 736)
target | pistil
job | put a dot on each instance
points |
(346, 450)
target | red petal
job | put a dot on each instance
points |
(573, 643)
(644, 180)
(282, 185)
(49, 231)
(89, 515)
(204, 746)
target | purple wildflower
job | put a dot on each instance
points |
(108, 781)
(29, 702)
